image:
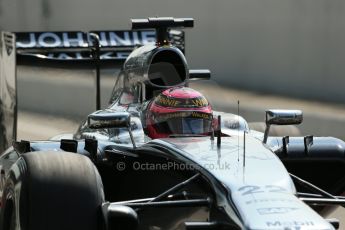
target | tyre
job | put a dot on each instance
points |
(275, 130)
(52, 191)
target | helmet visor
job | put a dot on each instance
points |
(184, 123)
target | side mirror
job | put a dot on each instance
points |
(284, 117)
(199, 74)
(281, 117)
(106, 119)
(102, 119)
(121, 217)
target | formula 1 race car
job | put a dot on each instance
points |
(158, 157)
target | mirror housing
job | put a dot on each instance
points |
(281, 117)
(199, 74)
(284, 117)
(107, 119)
(103, 119)
(121, 217)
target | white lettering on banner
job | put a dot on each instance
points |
(136, 40)
(116, 40)
(49, 40)
(103, 39)
(122, 55)
(77, 41)
(107, 55)
(64, 56)
(78, 55)
(115, 55)
(148, 37)
(30, 44)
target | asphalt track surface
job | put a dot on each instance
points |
(35, 126)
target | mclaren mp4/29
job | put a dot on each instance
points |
(158, 157)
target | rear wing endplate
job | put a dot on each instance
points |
(8, 93)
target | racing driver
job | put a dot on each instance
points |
(178, 111)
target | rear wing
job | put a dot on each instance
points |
(62, 51)
(79, 46)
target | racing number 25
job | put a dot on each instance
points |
(251, 189)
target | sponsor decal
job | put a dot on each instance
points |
(8, 41)
(200, 102)
(81, 39)
(165, 117)
(119, 43)
(181, 103)
(295, 224)
(270, 200)
(201, 115)
(170, 102)
(231, 124)
(275, 210)
(251, 189)
(80, 55)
